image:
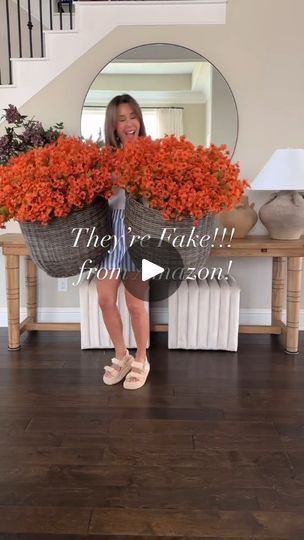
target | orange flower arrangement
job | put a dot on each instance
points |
(53, 180)
(178, 178)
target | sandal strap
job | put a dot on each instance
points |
(138, 365)
(134, 375)
(111, 370)
(117, 362)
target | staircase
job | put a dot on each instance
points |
(82, 26)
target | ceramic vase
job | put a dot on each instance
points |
(243, 218)
(283, 215)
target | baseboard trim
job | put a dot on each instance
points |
(158, 315)
(47, 314)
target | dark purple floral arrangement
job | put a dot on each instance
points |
(23, 135)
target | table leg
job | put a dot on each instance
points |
(294, 280)
(278, 282)
(13, 305)
(31, 288)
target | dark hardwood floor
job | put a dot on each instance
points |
(211, 447)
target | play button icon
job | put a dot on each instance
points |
(149, 270)
(158, 270)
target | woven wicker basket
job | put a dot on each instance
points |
(141, 220)
(51, 245)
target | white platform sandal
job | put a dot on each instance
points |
(116, 375)
(140, 377)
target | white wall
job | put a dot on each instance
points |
(144, 83)
(195, 123)
(259, 51)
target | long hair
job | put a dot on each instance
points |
(111, 118)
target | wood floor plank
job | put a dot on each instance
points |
(37, 519)
(180, 440)
(43, 536)
(262, 415)
(282, 497)
(82, 423)
(142, 426)
(20, 422)
(77, 408)
(254, 399)
(202, 400)
(73, 399)
(132, 496)
(84, 476)
(238, 435)
(194, 522)
(50, 455)
(29, 409)
(12, 438)
(149, 476)
(205, 458)
(165, 413)
(297, 460)
(32, 363)
(290, 432)
(33, 536)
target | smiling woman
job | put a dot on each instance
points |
(128, 124)
(178, 90)
(93, 119)
(123, 121)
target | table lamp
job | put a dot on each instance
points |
(283, 215)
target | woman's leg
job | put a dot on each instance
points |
(107, 289)
(136, 291)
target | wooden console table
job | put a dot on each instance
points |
(284, 253)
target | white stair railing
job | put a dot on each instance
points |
(94, 20)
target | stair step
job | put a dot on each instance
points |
(93, 22)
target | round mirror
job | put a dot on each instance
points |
(179, 91)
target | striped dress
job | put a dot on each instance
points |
(119, 258)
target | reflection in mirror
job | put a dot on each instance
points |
(179, 92)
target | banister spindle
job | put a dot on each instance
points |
(9, 45)
(61, 11)
(30, 27)
(41, 29)
(71, 13)
(19, 28)
(51, 14)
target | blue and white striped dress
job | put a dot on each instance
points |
(119, 258)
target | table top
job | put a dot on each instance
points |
(15, 239)
(250, 246)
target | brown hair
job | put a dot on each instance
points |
(111, 137)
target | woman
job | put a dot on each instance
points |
(123, 123)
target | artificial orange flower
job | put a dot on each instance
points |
(53, 180)
(177, 178)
